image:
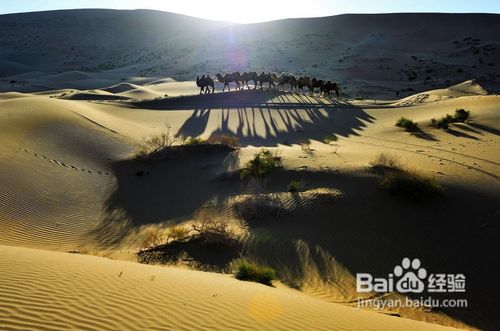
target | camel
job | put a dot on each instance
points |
(209, 82)
(285, 79)
(248, 76)
(204, 83)
(329, 86)
(313, 84)
(200, 82)
(301, 83)
(228, 78)
(265, 78)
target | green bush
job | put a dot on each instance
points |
(443, 123)
(245, 270)
(295, 186)
(262, 164)
(461, 115)
(407, 124)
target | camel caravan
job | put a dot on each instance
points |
(271, 80)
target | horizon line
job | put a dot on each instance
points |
(248, 23)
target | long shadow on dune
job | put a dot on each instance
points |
(261, 126)
(264, 126)
(484, 127)
(264, 118)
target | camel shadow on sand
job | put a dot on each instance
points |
(173, 189)
(265, 118)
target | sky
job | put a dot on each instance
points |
(251, 11)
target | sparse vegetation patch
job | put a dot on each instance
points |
(295, 186)
(407, 124)
(224, 139)
(157, 142)
(461, 115)
(385, 161)
(409, 183)
(244, 270)
(161, 144)
(262, 164)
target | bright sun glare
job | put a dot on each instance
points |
(231, 11)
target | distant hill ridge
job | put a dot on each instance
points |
(375, 53)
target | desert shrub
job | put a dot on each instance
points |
(213, 230)
(399, 180)
(157, 142)
(261, 165)
(194, 141)
(442, 123)
(231, 141)
(255, 204)
(295, 186)
(244, 270)
(258, 206)
(461, 115)
(153, 238)
(411, 184)
(178, 233)
(407, 124)
(386, 161)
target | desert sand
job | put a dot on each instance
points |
(74, 211)
(53, 291)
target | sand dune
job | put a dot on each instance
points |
(77, 103)
(72, 186)
(53, 291)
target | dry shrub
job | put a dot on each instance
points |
(214, 229)
(194, 141)
(257, 206)
(158, 237)
(411, 184)
(178, 233)
(154, 238)
(231, 141)
(399, 180)
(157, 142)
(386, 161)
